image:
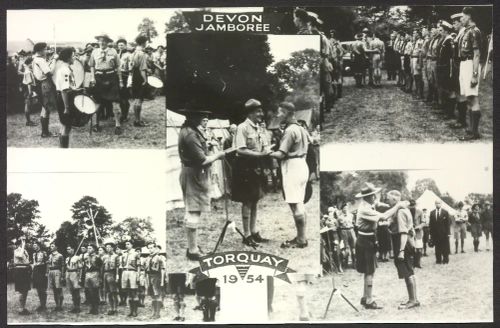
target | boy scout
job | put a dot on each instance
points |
(39, 263)
(22, 274)
(125, 67)
(378, 55)
(56, 275)
(83, 255)
(366, 221)
(155, 269)
(121, 291)
(460, 226)
(407, 62)
(110, 266)
(141, 288)
(469, 53)
(138, 78)
(461, 99)
(402, 234)
(444, 70)
(74, 267)
(295, 172)
(106, 79)
(416, 63)
(248, 170)
(432, 96)
(93, 267)
(130, 276)
(42, 70)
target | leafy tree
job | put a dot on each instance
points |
(177, 24)
(474, 198)
(84, 208)
(147, 28)
(140, 230)
(68, 234)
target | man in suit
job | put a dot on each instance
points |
(439, 225)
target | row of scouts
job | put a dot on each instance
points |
(447, 56)
(112, 272)
(250, 149)
(112, 75)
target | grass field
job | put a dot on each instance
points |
(274, 221)
(460, 291)
(167, 313)
(387, 114)
(153, 136)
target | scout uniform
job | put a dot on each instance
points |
(55, 269)
(45, 89)
(22, 271)
(366, 221)
(39, 263)
(110, 264)
(407, 61)
(64, 80)
(125, 68)
(470, 41)
(358, 64)
(444, 65)
(460, 226)
(93, 267)
(194, 178)
(139, 63)
(476, 228)
(154, 267)
(379, 47)
(416, 64)
(347, 234)
(248, 172)
(423, 56)
(294, 170)
(402, 223)
(131, 268)
(431, 68)
(106, 63)
(74, 265)
(487, 224)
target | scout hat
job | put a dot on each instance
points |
(288, 106)
(121, 40)
(109, 242)
(252, 104)
(368, 190)
(104, 36)
(39, 46)
(456, 16)
(447, 26)
(469, 11)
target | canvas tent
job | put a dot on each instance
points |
(428, 199)
(174, 122)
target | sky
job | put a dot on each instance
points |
(282, 46)
(84, 25)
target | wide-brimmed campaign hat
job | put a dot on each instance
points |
(252, 104)
(368, 190)
(456, 16)
(447, 26)
(104, 36)
(109, 242)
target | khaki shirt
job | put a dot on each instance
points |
(425, 47)
(41, 68)
(104, 59)
(125, 62)
(377, 44)
(402, 222)
(74, 263)
(346, 220)
(434, 47)
(56, 261)
(39, 258)
(155, 263)
(461, 216)
(93, 263)
(131, 260)
(295, 141)
(110, 262)
(417, 47)
(192, 147)
(250, 136)
(139, 60)
(367, 217)
(470, 41)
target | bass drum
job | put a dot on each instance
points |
(81, 109)
(78, 73)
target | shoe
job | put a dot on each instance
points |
(249, 241)
(118, 130)
(373, 306)
(111, 312)
(258, 238)
(182, 319)
(362, 301)
(409, 305)
(50, 135)
(438, 262)
(24, 312)
(462, 251)
(424, 255)
(293, 244)
(470, 137)
(193, 256)
(97, 128)
(177, 319)
(140, 124)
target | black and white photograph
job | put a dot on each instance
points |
(79, 247)
(407, 74)
(242, 146)
(84, 79)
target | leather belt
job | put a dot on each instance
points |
(366, 233)
(72, 270)
(129, 269)
(100, 72)
(296, 156)
(55, 268)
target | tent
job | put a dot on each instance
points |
(306, 115)
(428, 199)
(219, 128)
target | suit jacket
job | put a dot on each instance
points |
(439, 227)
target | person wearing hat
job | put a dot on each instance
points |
(416, 63)
(460, 221)
(347, 234)
(125, 68)
(461, 122)
(141, 290)
(122, 292)
(366, 221)
(248, 175)
(110, 276)
(131, 264)
(337, 54)
(155, 270)
(367, 39)
(444, 70)
(470, 53)
(194, 176)
(400, 50)
(487, 222)
(74, 265)
(93, 268)
(139, 78)
(408, 49)
(28, 86)
(440, 231)
(301, 20)
(39, 260)
(295, 173)
(359, 58)
(418, 226)
(424, 31)
(403, 243)
(42, 70)
(55, 274)
(22, 273)
(476, 229)
(378, 55)
(332, 238)
(106, 79)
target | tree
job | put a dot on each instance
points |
(84, 208)
(478, 198)
(147, 28)
(140, 230)
(177, 24)
(68, 234)
(423, 185)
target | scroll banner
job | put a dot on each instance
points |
(242, 262)
(250, 22)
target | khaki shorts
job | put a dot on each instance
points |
(416, 67)
(154, 284)
(92, 280)
(295, 174)
(110, 284)
(55, 279)
(73, 280)
(129, 279)
(466, 70)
